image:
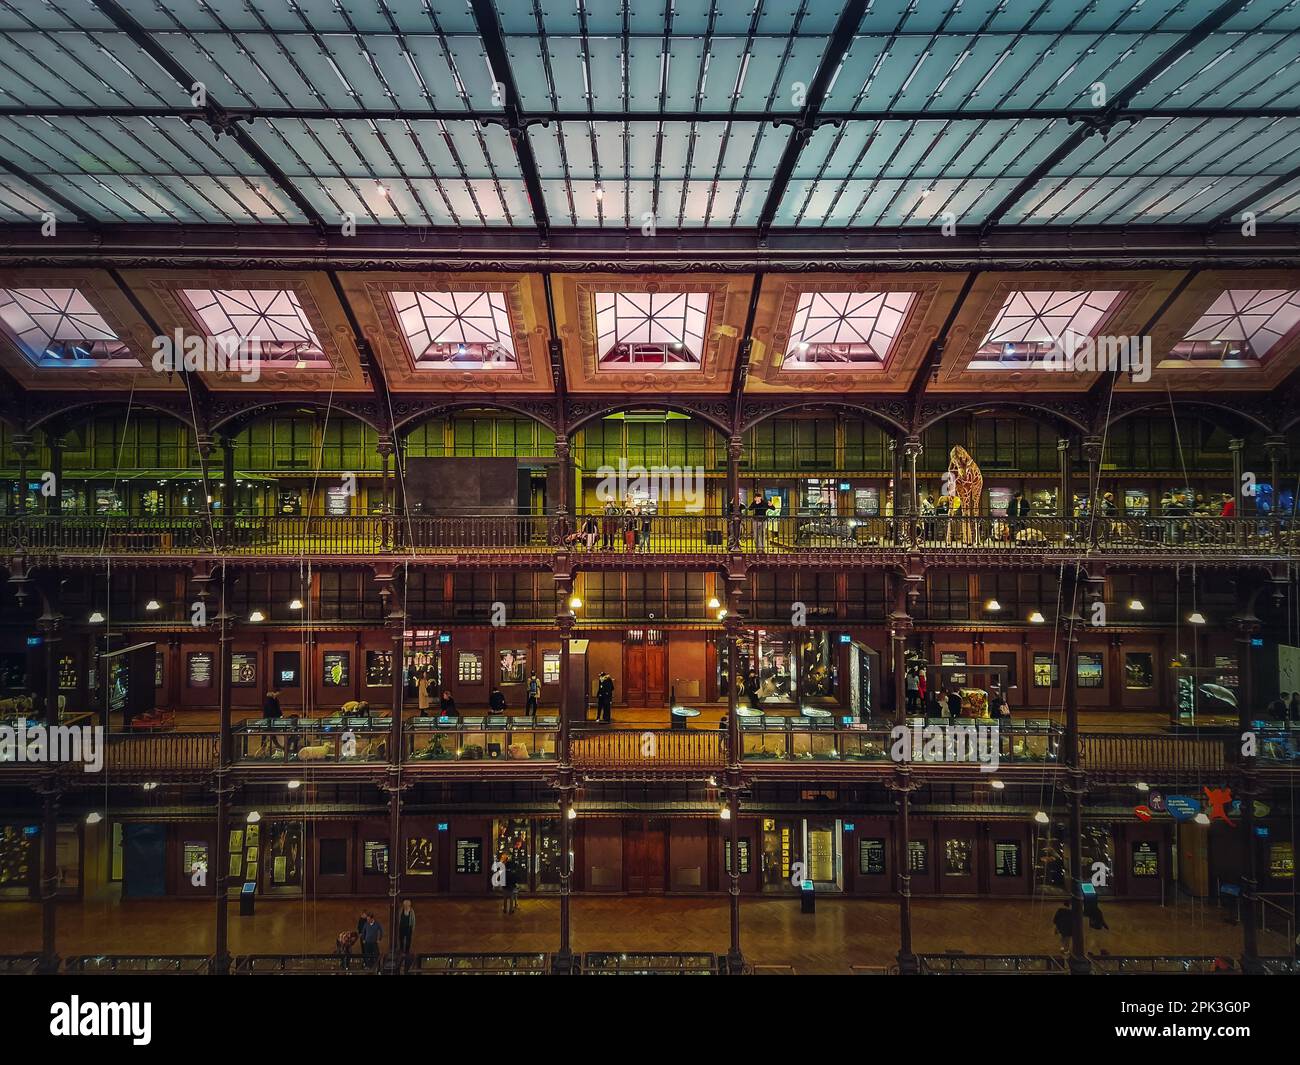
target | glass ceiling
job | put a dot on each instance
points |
(1035, 324)
(387, 112)
(59, 327)
(268, 322)
(1241, 326)
(456, 330)
(664, 330)
(837, 328)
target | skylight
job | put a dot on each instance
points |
(1240, 327)
(851, 329)
(457, 330)
(268, 322)
(663, 330)
(59, 327)
(1032, 325)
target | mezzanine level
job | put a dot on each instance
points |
(601, 543)
(772, 748)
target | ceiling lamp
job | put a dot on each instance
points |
(256, 615)
(1202, 818)
(1196, 618)
(997, 785)
(96, 618)
(721, 614)
(253, 817)
(294, 785)
(573, 813)
(94, 817)
(992, 604)
(1041, 817)
(1136, 604)
(713, 603)
(295, 604)
(1141, 786)
(725, 812)
(153, 604)
(1037, 618)
(575, 603)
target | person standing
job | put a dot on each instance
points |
(447, 705)
(1293, 707)
(609, 526)
(604, 698)
(372, 934)
(758, 520)
(534, 693)
(497, 701)
(511, 901)
(913, 686)
(1062, 921)
(272, 712)
(406, 933)
(954, 704)
(422, 691)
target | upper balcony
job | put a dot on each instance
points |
(621, 542)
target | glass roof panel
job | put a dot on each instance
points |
(456, 330)
(1032, 325)
(663, 330)
(59, 327)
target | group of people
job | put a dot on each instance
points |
(947, 701)
(630, 525)
(370, 933)
(496, 699)
(764, 514)
(1286, 707)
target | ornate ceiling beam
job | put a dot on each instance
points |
(369, 362)
(804, 122)
(1104, 118)
(489, 31)
(916, 390)
(740, 374)
(218, 118)
(628, 251)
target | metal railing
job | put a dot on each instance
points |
(611, 748)
(690, 534)
(128, 755)
(19, 964)
(958, 964)
(153, 964)
(507, 964)
(649, 963)
(1162, 751)
(303, 964)
(1135, 965)
(793, 739)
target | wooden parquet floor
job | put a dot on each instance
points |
(841, 934)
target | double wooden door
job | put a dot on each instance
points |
(645, 668)
(645, 854)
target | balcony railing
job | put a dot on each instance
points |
(782, 739)
(648, 749)
(1167, 752)
(677, 534)
(160, 754)
(331, 740)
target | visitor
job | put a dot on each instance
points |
(534, 693)
(1017, 511)
(954, 704)
(1004, 710)
(422, 679)
(643, 539)
(1092, 910)
(343, 945)
(447, 705)
(758, 520)
(1277, 709)
(589, 534)
(604, 698)
(609, 526)
(497, 701)
(406, 933)
(511, 901)
(932, 706)
(631, 524)
(723, 722)
(927, 518)
(372, 933)
(913, 686)
(272, 713)
(1293, 708)
(1064, 923)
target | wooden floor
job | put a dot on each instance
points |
(843, 932)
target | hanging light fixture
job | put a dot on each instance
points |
(256, 615)
(1202, 818)
(294, 785)
(1196, 618)
(253, 817)
(1037, 618)
(993, 604)
(575, 603)
(295, 604)
(153, 604)
(96, 618)
(725, 812)
(713, 603)
(94, 817)
(573, 813)
(1136, 604)
(1041, 817)
(997, 785)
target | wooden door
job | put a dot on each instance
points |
(645, 668)
(645, 855)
